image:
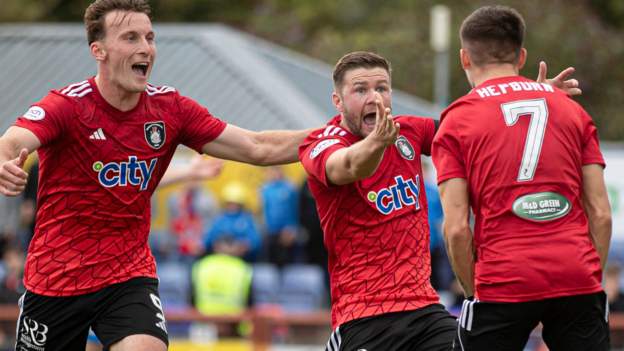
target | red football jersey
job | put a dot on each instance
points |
(376, 230)
(521, 146)
(98, 169)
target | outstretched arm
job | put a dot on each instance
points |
(199, 167)
(258, 148)
(457, 233)
(15, 145)
(361, 159)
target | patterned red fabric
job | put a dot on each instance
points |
(98, 169)
(376, 230)
(487, 137)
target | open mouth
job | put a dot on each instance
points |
(369, 118)
(140, 68)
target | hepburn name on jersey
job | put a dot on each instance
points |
(504, 88)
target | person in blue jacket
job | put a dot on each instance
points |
(235, 223)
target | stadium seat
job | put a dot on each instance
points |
(303, 288)
(175, 284)
(265, 284)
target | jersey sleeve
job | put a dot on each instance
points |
(591, 145)
(428, 134)
(314, 152)
(446, 152)
(48, 118)
(199, 127)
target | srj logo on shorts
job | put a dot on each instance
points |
(33, 334)
(402, 192)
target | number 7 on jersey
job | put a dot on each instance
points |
(538, 112)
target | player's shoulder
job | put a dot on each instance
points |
(328, 131)
(331, 130)
(71, 93)
(163, 91)
(324, 137)
(165, 97)
(327, 135)
(459, 107)
(413, 120)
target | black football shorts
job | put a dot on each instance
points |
(430, 328)
(571, 323)
(62, 323)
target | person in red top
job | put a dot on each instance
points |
(365, 175)
(104, 144)
(525, 157)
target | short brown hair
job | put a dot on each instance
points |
(493, 34)
(96, 12)
(358, 59)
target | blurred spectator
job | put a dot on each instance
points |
(28, 207)
(236, 223)
(221, 284)
(190, 209)
(11, 287)
(191, 212)
(12, 268)
(612, 287)
(280, 210)
(311, 227)
(9, 208)
(441, 272)
(221, 281)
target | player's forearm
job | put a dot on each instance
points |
(357, 162)
(8, 149)
(14, 140)
(14, 149)
(600, 231)
(276, 147)
(364, 158)
(598, 209)
(459, 246)
(457, 232)
(174, 175)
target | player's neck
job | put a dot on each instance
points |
(115, 95)
(479, 75)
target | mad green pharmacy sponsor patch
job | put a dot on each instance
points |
(541, 207)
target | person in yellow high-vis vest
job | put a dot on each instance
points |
(221, 284)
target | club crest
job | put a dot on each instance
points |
(405, 148)
(155, 134)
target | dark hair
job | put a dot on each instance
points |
(358, 59)
(96, 12)
(493, 34)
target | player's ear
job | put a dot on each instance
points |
(97, 50)
(464, 58)
(337, 101)
(522, 58)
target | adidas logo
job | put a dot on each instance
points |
(98, 135)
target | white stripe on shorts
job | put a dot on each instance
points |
(20, 303)
(333, 344)
(470, 315)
